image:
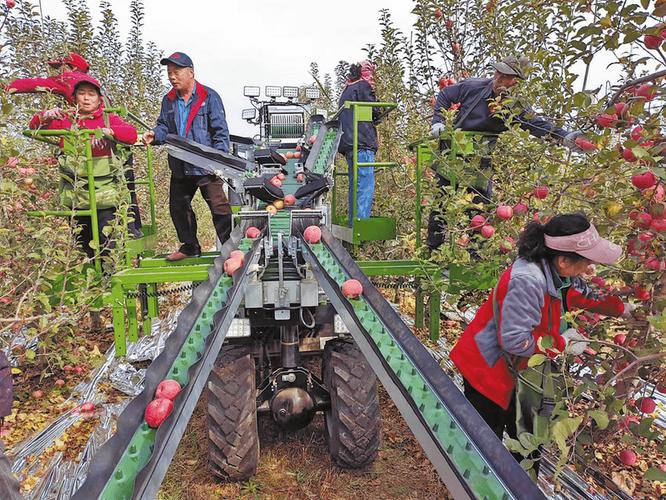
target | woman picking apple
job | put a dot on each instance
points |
(523, 316)
(107, 166)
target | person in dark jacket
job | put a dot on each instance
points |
(527, 304)
(360, 87)
(474, 99)
(195, 112)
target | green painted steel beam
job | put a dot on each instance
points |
(396, 268)
(139, 275)
(206, 258)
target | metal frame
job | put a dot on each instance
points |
(373, 228)
(134, 247)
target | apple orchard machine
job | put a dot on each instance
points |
(276, 337)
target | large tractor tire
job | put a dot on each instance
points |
(352, 421)
(233, 437)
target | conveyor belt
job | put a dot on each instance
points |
(325, 147)
(134, 461)
(469, 457)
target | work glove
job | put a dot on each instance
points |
(52, 114)
(576, 342)
(629, 309)
(570, 140)
(437, 130)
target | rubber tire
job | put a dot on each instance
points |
(353, 420)
(233, 437)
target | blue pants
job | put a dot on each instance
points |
(366, 184)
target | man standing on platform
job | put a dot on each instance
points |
(195, 112)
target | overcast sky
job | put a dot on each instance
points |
(263, 42)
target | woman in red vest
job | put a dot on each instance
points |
(527, 304)
(108, 168)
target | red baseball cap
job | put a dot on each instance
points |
(89, 80)
(73, 59)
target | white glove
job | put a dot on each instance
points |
(570, 140)
(437, 130)
(576, 342)
(629, 309)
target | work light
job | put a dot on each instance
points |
(251, 91)
(312, 93)
(290, 92)
(273, 91)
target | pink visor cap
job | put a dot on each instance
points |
(588, 244)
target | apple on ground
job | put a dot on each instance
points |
(648, 405)
(628, 457)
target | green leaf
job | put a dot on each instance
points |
(563, 429)
(30, 354)
(514, 446)
(536, 360)
(654, 474)
(600, 417)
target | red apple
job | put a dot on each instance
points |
(455, 47)
(87, 407)
(648, 405)
(157, 411)
(628, 457)
(276, 181)
(281, 176)
(297, 154)
(438, 13)
(541, 192)
(652, 42)
(68, 368)
(646, 91)
(646, 237)
(312, 234)
(298, 147)
(252, 232)
(11, 4)
(585, 144)
(636, 133)
(60, 382)
(504, 212)
(38, 394)
(477, 221)
(168, 389)
(645, 180)
(644, 220)
(520, 209)
(78, 370)
(629, 155)
(620, 338)
(658, 225)
(232, 265)
(487, 231)
(641, 293)
(313, 139)
(598, 280)
(654, 263)
(606, 120)
(290, 200)
(289, 155)
(448, 23)
(300, 178)
(237, 254)
(352, 289)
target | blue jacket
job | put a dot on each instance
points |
(367, 133)
(206, 125)
(477, 115)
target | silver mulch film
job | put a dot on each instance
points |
(63, 477)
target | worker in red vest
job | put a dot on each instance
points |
(527, 304)
(72, 69)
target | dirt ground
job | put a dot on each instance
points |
(297, 465)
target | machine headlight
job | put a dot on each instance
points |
(273, 91)
(312, 93)
(249, 114)
(290, 92)
(251, 91)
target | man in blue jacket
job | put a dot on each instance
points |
(360, 87)
(474, 98)
(195, 112)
